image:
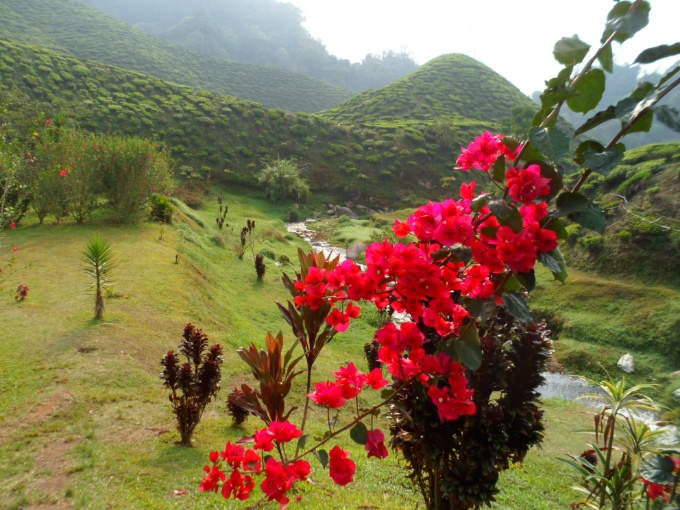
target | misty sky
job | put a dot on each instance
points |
(514, 38)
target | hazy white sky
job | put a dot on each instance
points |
(514, 38)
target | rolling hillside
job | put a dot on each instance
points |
(227, 139)
(453, 87)
(72, 28)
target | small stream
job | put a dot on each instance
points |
(556, 385)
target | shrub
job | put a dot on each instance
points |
(161, 208)
(260, 266)
(266, 252)
(282, 181)
(192, 384)
(293, 215)
(98, 259)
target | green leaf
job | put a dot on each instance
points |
(668, 116)
(302, 441)
(515, 220)
(359, 433)
(386, 393)
(596, 120)
(512, 283)
(606, 59)
(570, 50)
(549, 261)
(500, 209)
(498, 170)
(669, 75)
(528, 280)
(482, 310)
(657, 53)
(562, 274)
(468, 346)
(642, 123)
(556, 226)
(322, 455)
(588, 91)
(593, 218)
(569, 203)
(517, 306)
(479, 202)
(625, 21)
(658, 469)
(603, 161)
(552, 142)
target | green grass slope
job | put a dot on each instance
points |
(229, 139)
(84, 421)
(642, 200)
(454, 87)
(70, 27)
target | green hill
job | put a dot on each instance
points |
(86, 33)
(228, 139)
(453, 87)
(642, 200)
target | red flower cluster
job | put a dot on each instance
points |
(348, 384)
(657, 490)
(245, 465)
(483, 152)
(341, 467)
(375, 445)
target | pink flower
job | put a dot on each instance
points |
(401, 228)
(527, 185)
(350, 380)
(284, 432)
(375, 445)
(376, 380)
(264, 440)
(341, 467)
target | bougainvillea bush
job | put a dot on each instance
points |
(458, 375)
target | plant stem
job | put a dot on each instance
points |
(304, 414)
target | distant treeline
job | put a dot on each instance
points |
(264, 32)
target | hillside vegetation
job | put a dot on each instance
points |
(224, 138)
(263, 32)
(448, 87)
(70, 27)
(642, 199)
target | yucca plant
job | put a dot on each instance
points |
(98, 259)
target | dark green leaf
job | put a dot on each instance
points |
(604, 161)
(512, 283)
(302, 441)
(461, 253)
(562, 78)
(500, 209)
(588, 91)
(592, 218)
(322, 455)
(669, 75)
(552, 142)
(528, 280)
(468, 347)
(554, 95)
(626, 21)
(359, 433)
(658, 469)
(643, 123)
(570, 50)
(517, 306)
(549, 261)
(596, 120)
(657, 53)
(498, 170)
(569, 203)
(479, 202)
(606, 59)
(562, 274)
(668, 116)
(481, 310)
(386, 393)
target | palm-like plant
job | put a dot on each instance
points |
(98, 259)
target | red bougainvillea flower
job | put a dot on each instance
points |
(264, 440)
(527, 185)
(657, 490)
(327, 394)
(12, 225)
(284, 432)
(63, 173)
(375, 379)
(48, 122)
(375, 444)
(401, 228)
(238, 485)
(212, 478)
(483, 152)
(340, 320)
(233, 454)
(277, 482)
(350, 380)
(341, 467)
(16, 248)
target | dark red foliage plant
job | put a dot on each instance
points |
(192, 384)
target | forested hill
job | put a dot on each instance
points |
(264, 32)
(448, 87)
(225, 138)
(70, 27)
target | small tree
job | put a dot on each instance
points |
(194, 383)
(282, 181)
(260, 266)
(98, 259)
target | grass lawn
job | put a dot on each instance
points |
(84, 420)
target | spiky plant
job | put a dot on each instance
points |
(98, 259)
